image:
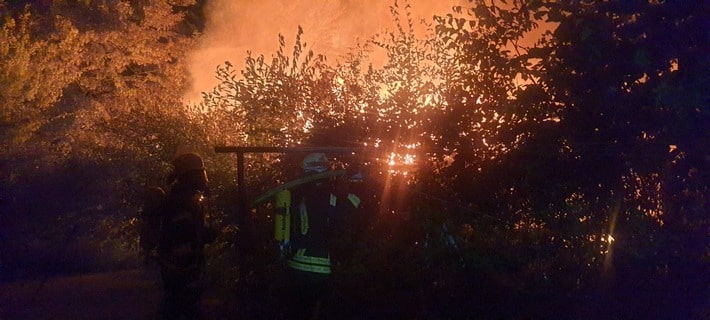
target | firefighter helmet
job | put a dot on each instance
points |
(315, 163)
(188, 162)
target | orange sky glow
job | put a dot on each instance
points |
(330, 28)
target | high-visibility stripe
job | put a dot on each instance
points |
(302, 257)
(333, 200)
(304, 218)
(309, 267)
(303, 262)
(355, 200)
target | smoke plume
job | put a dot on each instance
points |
(330, 28)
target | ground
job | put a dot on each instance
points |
(128, 294)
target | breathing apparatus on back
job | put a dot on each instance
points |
(282, 219)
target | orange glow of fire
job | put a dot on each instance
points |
(331, 28)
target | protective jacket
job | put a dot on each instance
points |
(318, 216)
(182, 236)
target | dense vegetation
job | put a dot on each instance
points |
(564, 179)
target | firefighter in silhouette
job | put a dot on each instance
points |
(309, 219)
(183, 235)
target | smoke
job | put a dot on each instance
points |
(330, 28)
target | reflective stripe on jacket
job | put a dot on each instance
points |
(303, 262)
(311, 244)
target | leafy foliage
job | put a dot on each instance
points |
(90, 106)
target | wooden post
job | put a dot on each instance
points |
(241, 189)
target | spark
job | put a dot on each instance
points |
(608, 257)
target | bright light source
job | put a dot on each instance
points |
(409, 159)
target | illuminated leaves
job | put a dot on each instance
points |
(91, 110)
(270, 102)
(33, 72)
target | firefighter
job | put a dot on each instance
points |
(318, 211)
(183, 234)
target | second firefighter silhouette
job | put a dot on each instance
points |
(309, 219)
(183, 235)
